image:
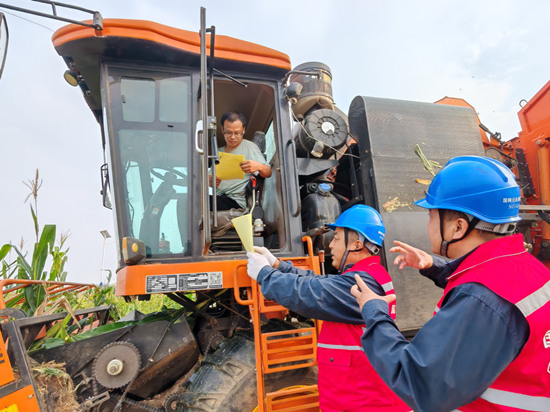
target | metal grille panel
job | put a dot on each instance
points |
(387, 131)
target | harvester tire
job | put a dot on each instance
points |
(226, 380)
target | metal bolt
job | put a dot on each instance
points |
(114, 367)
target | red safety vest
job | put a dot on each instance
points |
(505, 267)
(347, 381)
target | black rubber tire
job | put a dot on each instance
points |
(226, 380)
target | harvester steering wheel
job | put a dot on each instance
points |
(169, 177)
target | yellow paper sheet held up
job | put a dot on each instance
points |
(243, 226)
(230, 166)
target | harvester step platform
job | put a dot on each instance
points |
(299, 398)
(289, 349)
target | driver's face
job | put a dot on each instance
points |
(233, 132)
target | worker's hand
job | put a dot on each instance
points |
(363, 294)
(255, 263)
(218, 180)
(251, 166)
(411, 256)
(266, 254)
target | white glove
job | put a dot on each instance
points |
(266, 254)
(255, 263)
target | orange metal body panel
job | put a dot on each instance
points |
(455, 101)
(6, 372)
(534, 139)
(24, 398)
(534, 114)
(225, 47)
(131, 280)
(544, 180)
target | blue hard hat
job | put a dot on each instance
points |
(479, 186)
(364, 220)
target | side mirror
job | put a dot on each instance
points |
(105, 187)
(4, 36)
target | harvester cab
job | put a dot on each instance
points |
(158, 94)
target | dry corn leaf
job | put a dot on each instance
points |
(393, 204)
(423, 181)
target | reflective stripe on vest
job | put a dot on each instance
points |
(516, 400)
(387, 286)
(535, 300)
(341, 347)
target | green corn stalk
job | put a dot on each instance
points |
(31, 297)
(428, 164)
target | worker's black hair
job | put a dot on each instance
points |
(233, 117)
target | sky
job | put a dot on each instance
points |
(491, 53)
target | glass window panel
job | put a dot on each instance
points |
(138, 99)
(135, 196)
(156, 171)
(173, 99)
(270, 146)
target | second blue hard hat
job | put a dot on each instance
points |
(479, 186)
(364, 220)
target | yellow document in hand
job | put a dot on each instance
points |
(243, 226)
(229, 166)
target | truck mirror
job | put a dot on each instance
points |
(4, 36)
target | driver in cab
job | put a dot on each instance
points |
(231, 193)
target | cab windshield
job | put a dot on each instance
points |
(151, 135)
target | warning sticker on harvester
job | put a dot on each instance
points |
(184, 282)
(161, 283)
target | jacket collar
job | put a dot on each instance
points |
(363, 263)
(508, 245)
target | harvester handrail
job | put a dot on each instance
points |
(236, 288)
(51, 287)
(309, 244)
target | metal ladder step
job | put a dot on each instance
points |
(294, 399)
(267, 306)
(289, 349)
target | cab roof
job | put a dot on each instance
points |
(84, 48)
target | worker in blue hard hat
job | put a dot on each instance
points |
(487, 347)
(346, 379)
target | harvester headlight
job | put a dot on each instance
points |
(70, 78)
(133, 250)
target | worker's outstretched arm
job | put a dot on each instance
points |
(324, 297)
(433, 267)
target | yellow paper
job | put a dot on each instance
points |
(230, 166)
(243, 226)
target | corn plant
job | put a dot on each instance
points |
(32, 297)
